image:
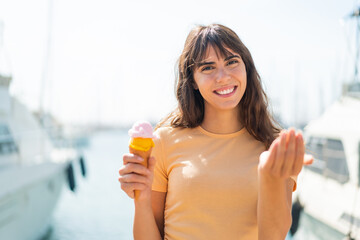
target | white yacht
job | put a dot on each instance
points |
(32, 171)
(328, 190)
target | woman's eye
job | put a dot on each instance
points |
(207, 68)
(232, 62)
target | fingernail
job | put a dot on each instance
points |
(300, 137)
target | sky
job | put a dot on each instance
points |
(113, 62)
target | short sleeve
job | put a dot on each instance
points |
(160, 181)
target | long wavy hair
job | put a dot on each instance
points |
(253, 107)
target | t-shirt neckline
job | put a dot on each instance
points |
(218, 135)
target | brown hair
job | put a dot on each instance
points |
(253, 107)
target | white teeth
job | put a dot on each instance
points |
(227, 91)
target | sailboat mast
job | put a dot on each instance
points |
(47, 53)
(353, 88)
(356, 15)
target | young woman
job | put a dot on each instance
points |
(210, 176)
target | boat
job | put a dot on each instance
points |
(328, 190)
(32, 171)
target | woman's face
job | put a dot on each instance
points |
(220, 80)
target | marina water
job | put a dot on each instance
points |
(100, 210)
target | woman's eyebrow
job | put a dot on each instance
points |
(204, 63)
(209, 63)
(232, 56)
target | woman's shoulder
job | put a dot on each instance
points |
(166, 132)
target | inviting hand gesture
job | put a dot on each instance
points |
(285, 157)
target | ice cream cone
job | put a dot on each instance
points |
(141, 143)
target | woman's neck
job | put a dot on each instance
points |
(223, 122)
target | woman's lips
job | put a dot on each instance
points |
(225, 91)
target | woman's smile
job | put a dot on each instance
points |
(226, 91)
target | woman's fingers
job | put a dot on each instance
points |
(129, 188)
(134, 178)
(290, 154)
(300, 151)
(131, 182)
(286, 155)
(267, 158)
(133, 168)
(280, 155)
(131, 158)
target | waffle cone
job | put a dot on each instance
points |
(145, 156)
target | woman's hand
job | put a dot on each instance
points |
(286, 156)
(134, 176)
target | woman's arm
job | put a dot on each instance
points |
(285, 158)
(149, 218)
(158, 206)
(274, 208)
(148, 205)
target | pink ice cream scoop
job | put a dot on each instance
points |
(141, 129)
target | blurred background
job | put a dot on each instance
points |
(103, 58)
(75, 75)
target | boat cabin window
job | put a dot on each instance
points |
(7, 143)
(330, 159)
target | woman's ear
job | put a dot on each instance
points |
(195, 86)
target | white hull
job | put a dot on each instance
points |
(25, 212)
(32, 169)
(330, 203)
(313, 229)
(329, 189)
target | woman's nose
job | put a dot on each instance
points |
(222, 75)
